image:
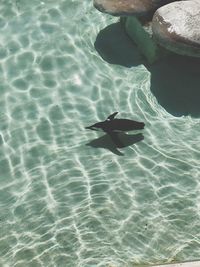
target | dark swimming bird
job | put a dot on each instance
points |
(114, 125)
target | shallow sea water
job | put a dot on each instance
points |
(64, 66)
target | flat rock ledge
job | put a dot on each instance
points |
(183, 264)
(137, 8)
(176, 27)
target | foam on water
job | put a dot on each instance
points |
(63, 203)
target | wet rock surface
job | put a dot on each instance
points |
(175, 23)
(176, 26)
(138, 8)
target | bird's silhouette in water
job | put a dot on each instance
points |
(115, 137)
(115, 140)
(117, 125)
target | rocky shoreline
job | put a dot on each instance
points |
(170, 25)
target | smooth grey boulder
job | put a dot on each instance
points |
(176, 27)
(138, 8)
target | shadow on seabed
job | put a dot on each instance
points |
(175, 80)
(114, 141)
(115, 47)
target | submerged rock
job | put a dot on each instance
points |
(138, 8)
(176, 27)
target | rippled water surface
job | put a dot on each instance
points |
(68, 196)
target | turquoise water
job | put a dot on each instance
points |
(65, 203)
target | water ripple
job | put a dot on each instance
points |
(63, 203)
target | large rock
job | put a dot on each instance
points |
(138, 8)
(176, 26)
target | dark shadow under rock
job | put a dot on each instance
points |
(115, 47)
(175, 79)
(175, 82)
